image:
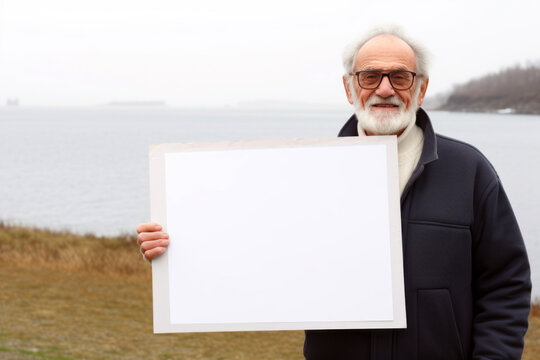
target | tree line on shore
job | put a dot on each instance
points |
(515, 89)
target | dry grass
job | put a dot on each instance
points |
(63, 250)
(532, 338)
(66, 296)
(51, 314)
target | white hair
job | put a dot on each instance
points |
(422, 55)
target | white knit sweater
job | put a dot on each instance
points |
(410, 144)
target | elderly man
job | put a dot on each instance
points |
(467, 277)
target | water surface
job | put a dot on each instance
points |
(86, 169)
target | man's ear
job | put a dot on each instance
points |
(347, 89)
(423, 89)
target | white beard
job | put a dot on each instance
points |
(385, 122)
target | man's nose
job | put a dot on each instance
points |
(385, 89)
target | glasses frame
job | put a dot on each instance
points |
(383, 74)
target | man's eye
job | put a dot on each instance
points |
(370, 76)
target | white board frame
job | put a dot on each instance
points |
(160, 266)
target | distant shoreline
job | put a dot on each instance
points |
(346, 111)
(137, 103)
(512, 90)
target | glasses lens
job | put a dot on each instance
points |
(401, 79)
(369, 79)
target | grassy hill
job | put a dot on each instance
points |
(66, 296)
(516, 88)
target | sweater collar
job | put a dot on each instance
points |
(429, 152)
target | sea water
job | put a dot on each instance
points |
(86, 169)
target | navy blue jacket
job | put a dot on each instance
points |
(467, 276)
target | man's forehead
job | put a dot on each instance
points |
(386, 52)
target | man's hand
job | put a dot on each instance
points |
(152, 240)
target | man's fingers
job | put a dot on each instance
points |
(148, 227)
(152, 240)
(147, 236)
(152, 253)
(152, 244)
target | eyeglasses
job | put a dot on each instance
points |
(371, 79)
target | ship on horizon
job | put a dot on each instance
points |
(12, 102)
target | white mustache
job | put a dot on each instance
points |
(392, 100)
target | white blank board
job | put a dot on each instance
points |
(278, 235)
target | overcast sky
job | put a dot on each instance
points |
(215, 52)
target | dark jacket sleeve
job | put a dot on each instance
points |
(502, 285)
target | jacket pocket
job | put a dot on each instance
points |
(438, 336)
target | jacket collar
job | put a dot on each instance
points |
(429, 152)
